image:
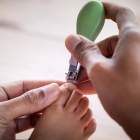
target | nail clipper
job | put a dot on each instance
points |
(74, 71)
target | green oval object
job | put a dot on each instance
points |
(91, 19)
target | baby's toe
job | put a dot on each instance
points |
(66, 91)
(74, 100)
(90, 129)
(82, 108)
(87, 117)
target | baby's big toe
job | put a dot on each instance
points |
(65, 93)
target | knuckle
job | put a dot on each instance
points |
(130, 27)
(84, 49)
(34, 97)
(4, 115)
(123, 10)
(132, 33)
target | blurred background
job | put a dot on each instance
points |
(32, 36)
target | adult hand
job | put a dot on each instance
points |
(113, 67)
(24, 98)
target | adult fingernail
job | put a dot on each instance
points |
(72, 41)
(70, 86)
(51, 90)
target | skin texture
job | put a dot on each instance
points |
(113, 67)
(23, 98)
(67, 118)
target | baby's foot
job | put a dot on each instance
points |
(68, 118)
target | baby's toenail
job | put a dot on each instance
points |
(86, 98)
(70, 86)
(78, 91)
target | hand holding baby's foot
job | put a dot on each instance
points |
(68, 118)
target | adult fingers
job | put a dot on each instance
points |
(107, 48)
(85, 51)
(21, 124)
(108, 45)
(86, 87)
(129, 30)
(28, 103)
(26, 122)
(83, 75)
(84, 83)
(15, 89)
(122, 15)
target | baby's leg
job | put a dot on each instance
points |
(68, 118)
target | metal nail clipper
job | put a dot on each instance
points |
(74, 71)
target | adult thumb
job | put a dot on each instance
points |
(86, 52)
(28, 103)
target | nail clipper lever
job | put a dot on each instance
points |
(74, 71)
